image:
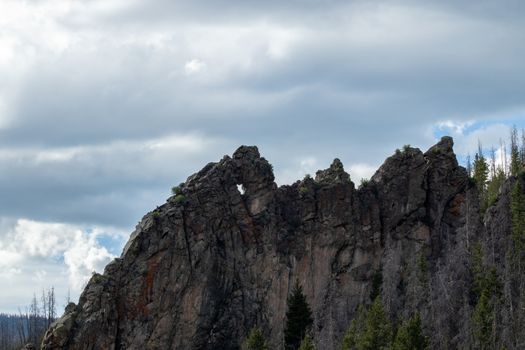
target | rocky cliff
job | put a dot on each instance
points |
(201, 270)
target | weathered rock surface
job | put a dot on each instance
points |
(201, 270)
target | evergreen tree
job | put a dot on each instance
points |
(355, 332)
(307, 344)
(378, 332)
(522, 149)
(255, 341)
(488, 289)
(481, 171)
(369, 330)
(410, 336)
(515, 166)
(517, 208)
(477, 268)
(482, 320)
(494, 185)
(298, 318)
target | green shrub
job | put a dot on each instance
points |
(307, 344)
(365, 182)
(255, 341)
(303, 189)
(97, 277)
(180, 198)
(176, 190)
(410, 336)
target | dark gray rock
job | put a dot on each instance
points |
(201, 270)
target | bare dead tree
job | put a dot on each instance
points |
(514, 152)
(504, 152)
(522, 148)
(44, 304)
(22, 325)
(469, 166)
(34, 312)
(51, 306)
(492, 162)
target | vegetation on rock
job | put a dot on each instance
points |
(255, 341)
(298, 318)
(410, 336)
(307, 343)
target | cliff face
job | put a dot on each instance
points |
(201, 270)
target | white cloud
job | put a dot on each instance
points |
(194, 66)
(502, 158)
(9, 272)
(37, 239)
(361, 171)
(39, 276)
(140, 150)
(9, 259)
(77, 247)
(301, 167)
(83, 257)
(489, 135)
(310, 165)
(457, 127)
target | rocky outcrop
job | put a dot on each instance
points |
(201, 270)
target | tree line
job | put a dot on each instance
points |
(489, 173)
(370, 329)
(30, 324)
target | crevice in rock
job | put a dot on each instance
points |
(187, 240)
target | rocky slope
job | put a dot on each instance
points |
(201, 270)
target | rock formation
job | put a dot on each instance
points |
(204, 268)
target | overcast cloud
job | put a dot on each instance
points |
(106, 104)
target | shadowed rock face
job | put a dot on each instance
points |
(201, 270)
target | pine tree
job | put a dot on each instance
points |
(307, 344)
(369, 330)
(355, 332)
(482, 319)
(481, 171)
(478, 269)
(515, 166)
(298, 318)
(522, 149)
(494, 185)
(378, 333)
(517, 208)
(488, 289)
(410, 336)
(255, 341)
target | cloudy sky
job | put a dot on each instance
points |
(106, 104)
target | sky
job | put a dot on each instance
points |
(106, 104)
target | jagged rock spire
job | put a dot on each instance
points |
(334, 174)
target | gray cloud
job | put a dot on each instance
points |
(105, 105)
(324, 79)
